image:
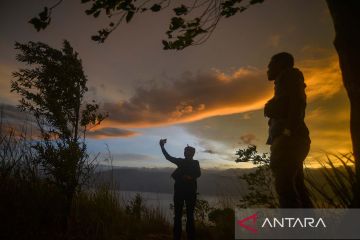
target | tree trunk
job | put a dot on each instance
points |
(346, 18)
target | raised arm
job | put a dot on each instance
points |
(166, 154)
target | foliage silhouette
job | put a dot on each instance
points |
(184, 29)
(222, 219)
(260, 190)
(52, 90)
(136, 206)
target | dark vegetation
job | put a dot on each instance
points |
(45, 172)
(33, 208)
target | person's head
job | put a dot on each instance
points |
(189, 152)
(278, 63)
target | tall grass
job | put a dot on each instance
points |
(334, 184)
(33, 208)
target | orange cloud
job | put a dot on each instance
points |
(216, 94)
(110, 133)
(22, 123)
(191, 99)
(322, 76)
(207, 95)
(328, 123)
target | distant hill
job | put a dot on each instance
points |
(211, 182)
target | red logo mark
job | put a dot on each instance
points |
(242, 221)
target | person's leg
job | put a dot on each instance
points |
(301, 189)
(284, 168)
(303, 194)
(178, 209)
(285, 188)
(190, 201)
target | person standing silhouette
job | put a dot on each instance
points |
(185, 189)
(288, 133)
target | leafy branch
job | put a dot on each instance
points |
(191, 24)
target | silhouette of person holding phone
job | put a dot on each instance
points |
(185, 189)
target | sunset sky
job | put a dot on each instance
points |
(209, 96)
